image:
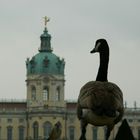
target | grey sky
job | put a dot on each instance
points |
(75, 26)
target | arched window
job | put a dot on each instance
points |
(94, 133)
(33, 93)
(57, 96)
(47, 129)
(71, 133)
(9, 133)
(138, 133)
(0, 132)
(105, 131)
(45, 93)
(35, 130)
(21, 133)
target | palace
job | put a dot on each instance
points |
(34, 118)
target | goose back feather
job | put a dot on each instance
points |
(104, 98)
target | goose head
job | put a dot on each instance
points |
(100, 46)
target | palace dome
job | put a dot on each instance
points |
(45, 62)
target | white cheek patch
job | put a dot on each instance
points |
(97, 46)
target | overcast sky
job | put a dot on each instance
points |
(75, 25)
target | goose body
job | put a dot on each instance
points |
(100, 102)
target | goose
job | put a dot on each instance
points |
(56, 132)
(100, 102)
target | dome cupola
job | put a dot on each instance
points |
(45, 62)
(45, 42)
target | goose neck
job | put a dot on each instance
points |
(103, 67)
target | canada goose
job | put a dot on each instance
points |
(56, 132)
(100, 102)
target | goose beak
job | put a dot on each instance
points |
(96, 48)
(93, 51)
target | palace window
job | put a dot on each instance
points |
(71, 132)
(33, 93)
(21, 120)
(105, 131)
(94, 133)
(21, 133)
(35, 130)
(9, 120)
(138, 133)
(130, 120)
(9, 133)
(0, 132)
(57, 96)
(47, 129)
(45, 93)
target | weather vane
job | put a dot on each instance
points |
(46, 20)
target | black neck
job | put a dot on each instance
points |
(103, 68)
